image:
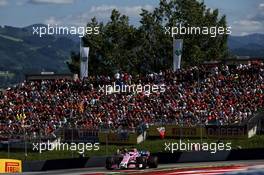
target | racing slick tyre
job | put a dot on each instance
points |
(141, 162)
(119, 159)
(110, 161)
(153, 162)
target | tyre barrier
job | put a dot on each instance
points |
(56, 164)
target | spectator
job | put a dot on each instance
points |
(194, 96)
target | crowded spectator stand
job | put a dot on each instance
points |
(221, 95)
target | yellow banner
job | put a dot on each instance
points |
(10, 166)
(117, 138)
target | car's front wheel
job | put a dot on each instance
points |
(141, 162)
(153, 162)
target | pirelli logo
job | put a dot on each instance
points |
(10, 166)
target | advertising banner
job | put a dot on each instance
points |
(227, 132)
(118, 138)
(84, 62)
(10, 166)
(177, 53)
(176, 131)
(212, 132)
(80, 135)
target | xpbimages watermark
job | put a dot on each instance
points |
(58, 146)
(146, 89)
(64, 30)
(190, 146)
(196, 30)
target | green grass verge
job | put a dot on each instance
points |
(151, 145)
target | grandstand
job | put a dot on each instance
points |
(198, 96)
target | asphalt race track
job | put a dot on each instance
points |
(201, 168)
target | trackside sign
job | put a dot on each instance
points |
(10, 166)
(227, 132)
(210, 131)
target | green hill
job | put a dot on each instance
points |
(22, 52)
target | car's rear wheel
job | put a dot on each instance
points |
(153, 162)
(110, 161)
(141, 162)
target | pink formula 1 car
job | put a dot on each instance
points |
(131, 159)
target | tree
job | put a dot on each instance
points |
(74, 64)
(123, 47)
(187, 13)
